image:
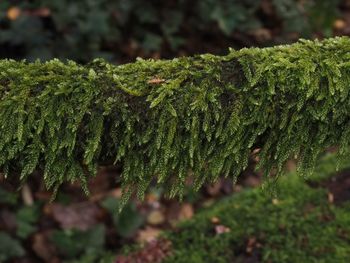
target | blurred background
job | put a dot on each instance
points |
(77, 228)
(124, 29)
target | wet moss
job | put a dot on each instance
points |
(164, 119)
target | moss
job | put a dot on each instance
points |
(302, 226)
(165, 119)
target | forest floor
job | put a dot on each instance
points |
(308, 221)
(79, 228)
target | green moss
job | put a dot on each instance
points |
(161, 119)
(302, 226)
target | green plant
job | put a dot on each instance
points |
(7, 198)
(170, 119)
(128, 221)
(10, 247)
(76, 243)
(26, 219)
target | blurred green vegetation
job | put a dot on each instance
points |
(302, 225)
(121, 30)
(72, 245)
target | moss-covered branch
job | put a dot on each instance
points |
(167, 119)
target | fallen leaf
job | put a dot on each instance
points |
(151, 197)
(215, 220)
(13, 13)
(208, 202)
(156, 81)
(155, 218)
(221, 229)
(275, 201)
(153, 252)
(186, 212)
(339, 24)
(79, 216)
(262, 34)
(237, 188)
(148, 234)
(43, 248)
(176, 212)
(117, 193)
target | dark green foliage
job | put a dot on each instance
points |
(7, 198)
(128, 221)
(9, 247)
(26, 219)
(301, 227)
(84, 29)
(74, 243)
(170, 119)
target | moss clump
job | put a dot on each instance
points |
(302, 226)
(162, 119)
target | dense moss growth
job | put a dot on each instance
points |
(200, 116)
(303, 227)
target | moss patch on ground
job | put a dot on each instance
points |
(301, 225)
